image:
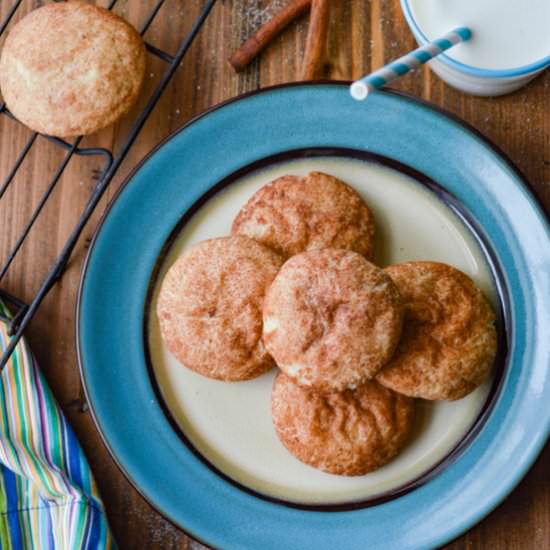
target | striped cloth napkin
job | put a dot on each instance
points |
(48, 498)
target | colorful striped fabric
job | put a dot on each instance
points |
(48, 498)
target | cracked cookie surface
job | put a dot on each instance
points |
(449, 339)
(346, 433)
(293, 214)
(210, 307)
(71, 68)
(331, 319)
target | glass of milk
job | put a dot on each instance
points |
(510, 41)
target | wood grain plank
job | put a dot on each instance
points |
(364, 35)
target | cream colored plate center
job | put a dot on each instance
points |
(230, 423)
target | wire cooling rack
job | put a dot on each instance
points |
(110, 165)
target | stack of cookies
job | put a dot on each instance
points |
(294, 286)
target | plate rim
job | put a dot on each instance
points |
(441, 112)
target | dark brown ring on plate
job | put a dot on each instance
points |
(502, 313)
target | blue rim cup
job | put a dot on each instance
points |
(470, 79)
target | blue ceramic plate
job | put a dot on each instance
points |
(167, 187)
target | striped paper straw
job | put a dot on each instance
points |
(360, 88)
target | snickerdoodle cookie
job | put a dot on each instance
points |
(348, 433)
(210, 307)
(449, 338)
(71, 68)
(293, 214)
(331, 319)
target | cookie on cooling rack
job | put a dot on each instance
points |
(347, 433)
(449, 339)
(71, 68)
(331, 319)
(293, 214)
(210, 307)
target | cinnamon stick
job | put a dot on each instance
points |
(256, 43)
(316, 44)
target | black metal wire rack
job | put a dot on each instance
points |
(110, 164)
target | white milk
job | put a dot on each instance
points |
(507, 34)
(230, 423)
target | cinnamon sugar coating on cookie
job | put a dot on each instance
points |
(210, 307)
(348, 433)
(331, 319)
(449, 338)
(71, 68)
(293, 214)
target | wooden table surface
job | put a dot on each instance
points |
(364, 34)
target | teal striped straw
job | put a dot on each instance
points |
(360, 88)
